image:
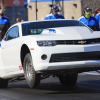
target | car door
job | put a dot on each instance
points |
(10, 51)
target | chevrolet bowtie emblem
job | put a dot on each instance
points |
(82, 42)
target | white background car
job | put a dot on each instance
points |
(38, 49)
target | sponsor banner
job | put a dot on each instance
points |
(14, 3)
(49, 0)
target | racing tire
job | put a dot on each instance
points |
(32, 78)
(3, 83)
(69, 79)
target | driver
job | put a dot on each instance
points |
(89, 20)
(54, 14)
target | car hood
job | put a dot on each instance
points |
(67, 33)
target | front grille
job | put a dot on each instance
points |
(68, 57)
(78, 42)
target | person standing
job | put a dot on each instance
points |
(54, 14)
(94, 13)
(17, 20)
(22, 20)
(4, 24)
(89, 20)
(98, 18)
(72, 17)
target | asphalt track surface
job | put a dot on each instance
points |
(87, 88)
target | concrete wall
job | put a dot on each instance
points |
(66, 8)
(70, 10)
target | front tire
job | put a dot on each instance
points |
(32, 78)
(68, 79)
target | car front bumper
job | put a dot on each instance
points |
(46, 65)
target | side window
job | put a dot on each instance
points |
(12, 33)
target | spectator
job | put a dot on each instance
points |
(89, 20)
(72, 17)
(54, 14)
(98, 18)
(94, 13)
(4, 24)
(22, 20)
(17, 20)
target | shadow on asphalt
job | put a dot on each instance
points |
(88, 86)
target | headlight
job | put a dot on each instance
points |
(46, 43)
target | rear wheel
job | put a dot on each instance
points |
(68, 79)
(32, 78)
(3, 83)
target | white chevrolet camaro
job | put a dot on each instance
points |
(38, 49)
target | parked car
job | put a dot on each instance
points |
(38, 49)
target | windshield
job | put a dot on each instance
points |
(34, 28)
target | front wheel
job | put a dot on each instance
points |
(32, 78)
(68, 79)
